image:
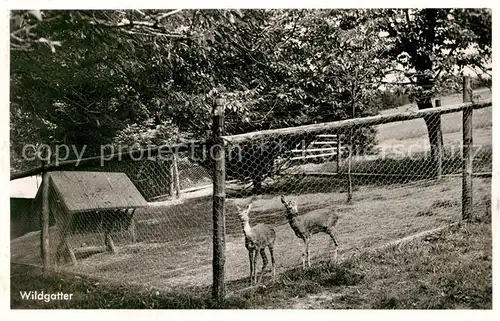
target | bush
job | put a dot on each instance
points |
(388, 99)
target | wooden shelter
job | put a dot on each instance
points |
(22, 206)
(109, 196)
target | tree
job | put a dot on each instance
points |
(320, 72)
(429, 45)
(116, 71)
(122, 74)
(22, 25)
(84, 93)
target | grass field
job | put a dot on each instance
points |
(450, 269)
(177, 251)
(404, 146)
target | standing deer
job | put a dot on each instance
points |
(317, 221)
(257, 238)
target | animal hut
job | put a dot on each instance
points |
(102, 202)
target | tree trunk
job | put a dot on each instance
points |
(433, 123)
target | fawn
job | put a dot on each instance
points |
(317, 221)
(257, 238)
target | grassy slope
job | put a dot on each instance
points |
(451, 270)
(448, 270)
(391, 133)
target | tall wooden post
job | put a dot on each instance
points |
(45, 220)
(219, 197)
(303, 160)
(175, 174)
(339, 152)
(439, 152)
(108, 240)
(171, 189)
(467, 152)
(349, 160)
(349, 176)
(132, 226)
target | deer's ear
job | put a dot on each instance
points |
(283, 200)
(249, 207)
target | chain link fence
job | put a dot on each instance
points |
(114, 236)
(148, 221)
(389, 184)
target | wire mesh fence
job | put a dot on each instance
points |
(382, 190)
(101, 229)
(153, 225)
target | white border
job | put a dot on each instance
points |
(145, 4)
(4, 159)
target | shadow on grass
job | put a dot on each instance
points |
(294, 283)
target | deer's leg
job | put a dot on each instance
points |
(255, 266)
(271, 250)
(330, 232)
(304, 255)
(334, 240)
(250, 258)
(264, 263)
(308, 254)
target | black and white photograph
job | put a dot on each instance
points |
(253, 158)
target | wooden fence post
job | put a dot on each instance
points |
(467, 152)
(349, 176)
(45, 218)
(171, 189)
(219, 197)
(303, 160)
(439, 151)
(349, 160)
(175, 173)
(132, 226)
(339, 152)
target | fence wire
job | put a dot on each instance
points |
(384, 183)
(381, 181)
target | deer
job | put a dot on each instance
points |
(313, 222)
(257, 238)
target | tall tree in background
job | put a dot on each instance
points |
(430, 45)
(123, 73)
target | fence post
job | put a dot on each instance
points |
(45, 218)
(219, 197)
(175, 173)
(303, 160)
(349, 160)
(349, 176)
(339, 152)
(171, 189)
(132, 226)
(467, 152)
(439, 151)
